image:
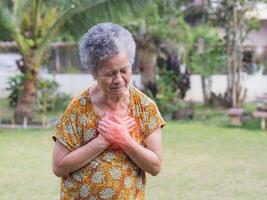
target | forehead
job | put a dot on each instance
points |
(116, 62)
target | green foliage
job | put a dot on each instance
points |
(36, 22)
(161, 20)
(61, 101)
(209, 59)
(15, 87)
(48, 99)
(159, 26)
(46, 95)
(4, 33)
(33, 24)
(253, 24)
(167, 97)
(108, 10)
(232, 17)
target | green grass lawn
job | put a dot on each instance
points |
(203, 160)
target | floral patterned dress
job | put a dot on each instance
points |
(111, 175)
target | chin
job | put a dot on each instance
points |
(119, 90)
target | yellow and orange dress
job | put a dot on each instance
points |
(111, 175)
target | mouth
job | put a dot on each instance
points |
(116, 88)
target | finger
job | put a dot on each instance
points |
(105, 134)
(130, 124)
(106, 128)
(102, 130)
(126, 118)
(105, 117)
(109, 136)
(131, 128)
(112, 131)
(111, 123)
(130, 121)
(104, 123)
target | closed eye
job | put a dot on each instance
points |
(124, 70)
(109, 74)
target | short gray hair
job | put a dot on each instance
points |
(103, 41)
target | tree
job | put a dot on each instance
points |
(231, 16)
(160, 24)
(162, 38)
(206, 56)
(33, 24)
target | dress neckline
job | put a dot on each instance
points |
(98, 114)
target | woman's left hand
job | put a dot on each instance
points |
(116, 130)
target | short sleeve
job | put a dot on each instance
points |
(67, 131)
(152, 118)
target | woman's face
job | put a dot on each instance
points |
(114, 74)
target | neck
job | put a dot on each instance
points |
(113, 102)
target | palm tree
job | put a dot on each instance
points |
(33, 24)
(159, 25)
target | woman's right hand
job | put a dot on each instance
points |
(129, 123)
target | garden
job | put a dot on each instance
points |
(204, 159)
(204, 63)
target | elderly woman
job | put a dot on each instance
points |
(110, 134)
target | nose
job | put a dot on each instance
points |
(118, 78)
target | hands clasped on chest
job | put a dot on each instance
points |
(115, 130)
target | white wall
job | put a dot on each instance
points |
(256, 85)
(73, 84)
(258, 37)
(8, 62)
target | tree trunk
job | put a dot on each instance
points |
(204, 90)
(146, 57)
(234, 81)
(25, 106)
(57, 60)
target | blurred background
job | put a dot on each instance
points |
(204, 62)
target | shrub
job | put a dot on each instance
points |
(15, 86)
(47, 99)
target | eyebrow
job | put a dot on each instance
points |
(112, 70)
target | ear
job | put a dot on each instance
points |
(94, 76)
(94, 73)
